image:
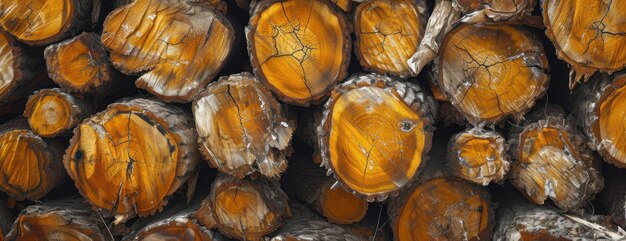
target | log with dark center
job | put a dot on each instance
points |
(521, 221)
(30, 166)
(491, 72)
(129, 158)
(21, 69)
(306, 225)
(307, 182)
(388, 125)
(242, 128)
(81, 65)
(69, 219)
(53, 112)
(244, 209)
(588, 36)
(177, 45)
(42, 22)
(442, 209)
(478, 155)
(552, 160)
(599, 109)
(387, 34)
(299, 48)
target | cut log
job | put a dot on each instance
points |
(65, 219)
(177, 45)
(180, 226)
(242, 128)
(599, 107)
(307, 182)
(479, 156)
(552, 160)
(129, 158)
(441, 21)
(520, 221)
(52, 112)
(299, 48)
(244, 209)
(490, 72)
(345, 5)
(42, 22)
(21, 68)
(495, 10)
(387, 34)
(442, 209)
(389, 125)
(81, 65)
(306, 225)
(29, 165)
(589, 37)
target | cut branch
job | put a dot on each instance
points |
(52, 112)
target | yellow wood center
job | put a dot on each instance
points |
(442, 209)
(342, 206)
(22, 160)
(376, 141)
(243, 209)
(612, 123)
(46, 227)
(36, 20)
(532, 143)
(129, 161)
(299, 45)
(51, 114)
(590, 34)
(492, 71)
(77, 64)
(174, 231)
(6, 63)
(388, 32)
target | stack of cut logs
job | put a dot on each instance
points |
(312, 120)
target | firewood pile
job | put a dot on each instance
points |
(307, 120)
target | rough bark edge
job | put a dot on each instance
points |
(587, 101)
(420, 9)
(414, 98)
(486, 15)
(81, 109)
(554, 116)
(453, 161)
(281, 150)
(181, 129)
(344, 24)
(181, 217)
